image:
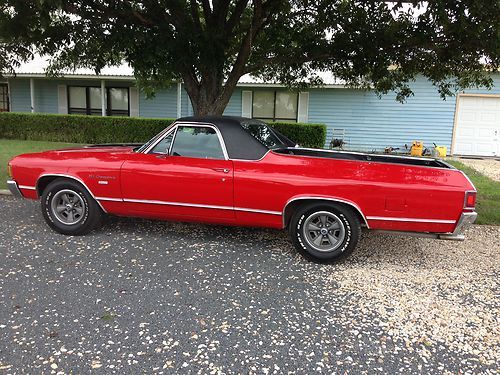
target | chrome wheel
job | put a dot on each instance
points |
(324, 231)
(68, 207)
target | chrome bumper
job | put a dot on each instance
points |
(466, 219)
(14, 189)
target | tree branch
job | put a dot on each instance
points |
(141, 18)
(235, 16)
(281, 59)
(244, 52)
(195, 15)
(207, 9)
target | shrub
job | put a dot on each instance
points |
(306, 135)
(96, 129)
(79, 129)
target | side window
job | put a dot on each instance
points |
(197, 142)
(163, 146)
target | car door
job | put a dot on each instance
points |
(186, 174)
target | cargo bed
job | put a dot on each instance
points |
(347, 155)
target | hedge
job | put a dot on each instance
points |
(78, 128)
(97, 129)
(306, 135)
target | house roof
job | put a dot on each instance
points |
(329, 80)
(37, 67)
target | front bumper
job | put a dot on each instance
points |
(14, 189)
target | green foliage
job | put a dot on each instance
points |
(96, 129)
(488, 194)
(209, 45)
(306, 135)
(79, 129)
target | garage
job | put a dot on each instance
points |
(477, 125)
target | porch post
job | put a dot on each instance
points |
(103, 98)
(32, 95)
(179, 99)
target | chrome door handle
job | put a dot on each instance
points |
(225, 170)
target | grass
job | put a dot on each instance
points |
(488, 194)
(10, 148)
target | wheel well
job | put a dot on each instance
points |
(43, 182)
(292, 207)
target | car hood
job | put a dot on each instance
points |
(93, 149)
(70, 156)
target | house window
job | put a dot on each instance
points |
(83, 100)
(118, 102)
(4, 97)
(275, 106)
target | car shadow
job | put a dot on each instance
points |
(374, 249)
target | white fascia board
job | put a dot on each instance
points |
(132, 78)
(71, 76)
(278, 85)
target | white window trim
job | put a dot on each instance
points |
(277, 119)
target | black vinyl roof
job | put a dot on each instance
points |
(239, 143)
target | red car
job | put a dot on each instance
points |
(237, 171)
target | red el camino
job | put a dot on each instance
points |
(237, 171)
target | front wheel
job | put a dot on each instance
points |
(325, 232)
(69, 209)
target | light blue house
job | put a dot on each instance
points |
(468, 124)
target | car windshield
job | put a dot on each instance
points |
(151, 141)
(266, 135)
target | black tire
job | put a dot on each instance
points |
(82, 213)
(341, 224)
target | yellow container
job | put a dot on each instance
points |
(417, 148)
(441, 151)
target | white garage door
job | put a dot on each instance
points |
(477, 129)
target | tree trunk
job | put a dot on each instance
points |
(209, 97)
(208, 106)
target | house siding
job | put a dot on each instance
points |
(234, 106)
(162, 105)
(186, 106)
(370, 123)
(373, 123)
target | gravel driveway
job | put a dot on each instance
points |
(142, 296)
(489, 167)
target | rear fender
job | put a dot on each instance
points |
(287, 210)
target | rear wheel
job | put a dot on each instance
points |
(68, 208)
(324, 232)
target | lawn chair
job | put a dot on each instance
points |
(338, 139)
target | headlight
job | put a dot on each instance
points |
(9, 170)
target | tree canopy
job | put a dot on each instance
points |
(210, 44)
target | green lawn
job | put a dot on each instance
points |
(10, 148)
(488, 194)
